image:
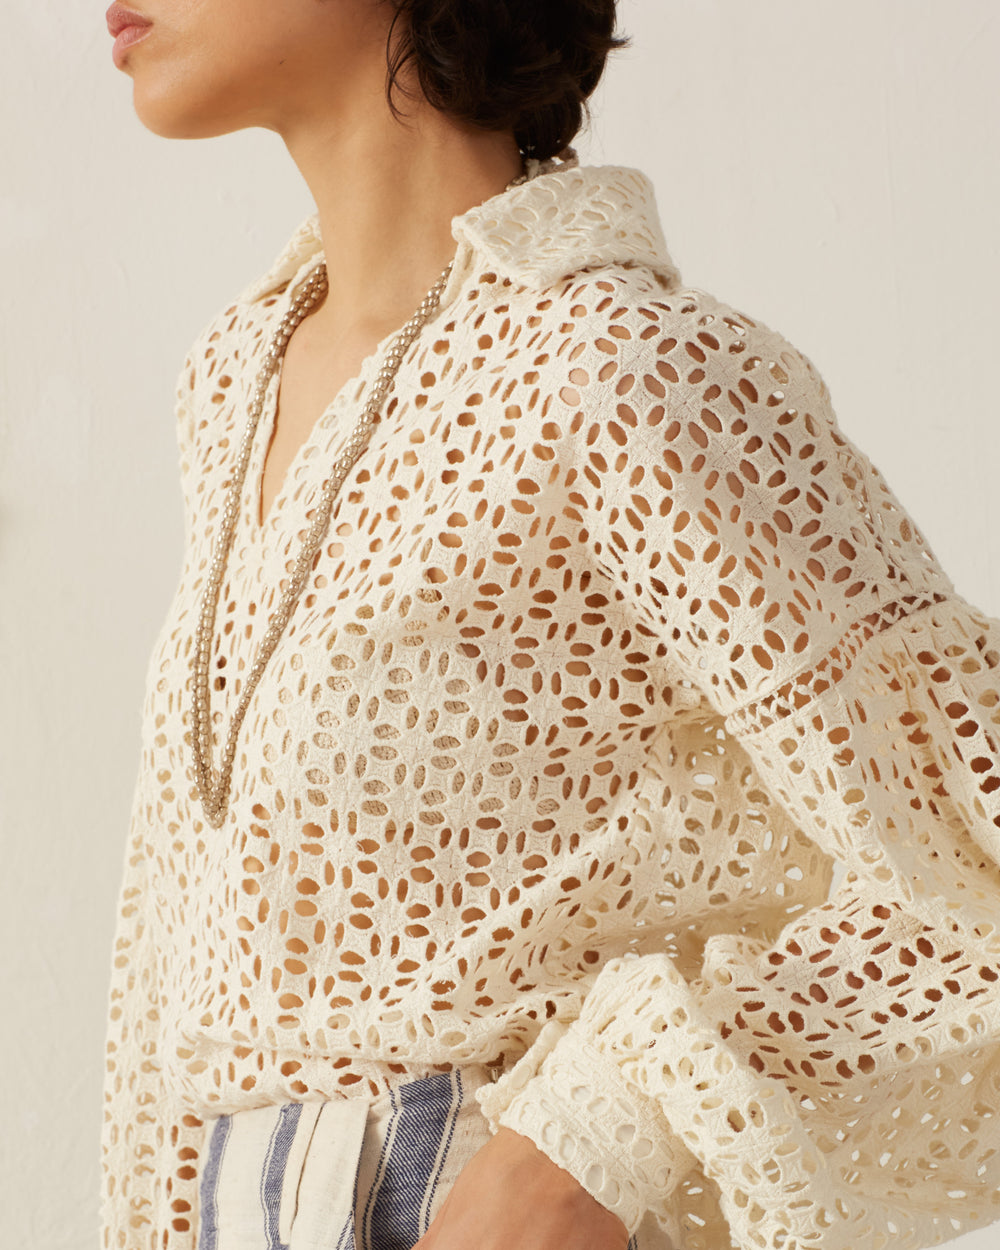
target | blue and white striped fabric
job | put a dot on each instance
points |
(347, 1174)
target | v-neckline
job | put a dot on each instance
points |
(261, 531)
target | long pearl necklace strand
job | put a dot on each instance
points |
(214, 788)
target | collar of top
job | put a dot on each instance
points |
(564, 218)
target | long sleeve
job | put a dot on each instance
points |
(837, 1083)
(149, 1145)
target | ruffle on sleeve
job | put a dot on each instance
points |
(839, 1085)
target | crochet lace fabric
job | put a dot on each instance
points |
(628, 730)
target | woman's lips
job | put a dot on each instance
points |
(119, 16)
(126, 38)
(128, 27)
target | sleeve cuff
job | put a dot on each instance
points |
(571, 1100)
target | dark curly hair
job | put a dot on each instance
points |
(521, 65)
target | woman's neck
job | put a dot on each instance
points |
(385, 195)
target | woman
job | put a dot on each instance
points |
(569, 803)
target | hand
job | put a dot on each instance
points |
(511, 1196)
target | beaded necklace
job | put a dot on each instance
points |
(214, 788)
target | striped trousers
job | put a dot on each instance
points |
(345, 1174)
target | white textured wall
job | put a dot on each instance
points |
(829, 168)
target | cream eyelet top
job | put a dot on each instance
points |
(628, 730)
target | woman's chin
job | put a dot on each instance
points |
(172, 118)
